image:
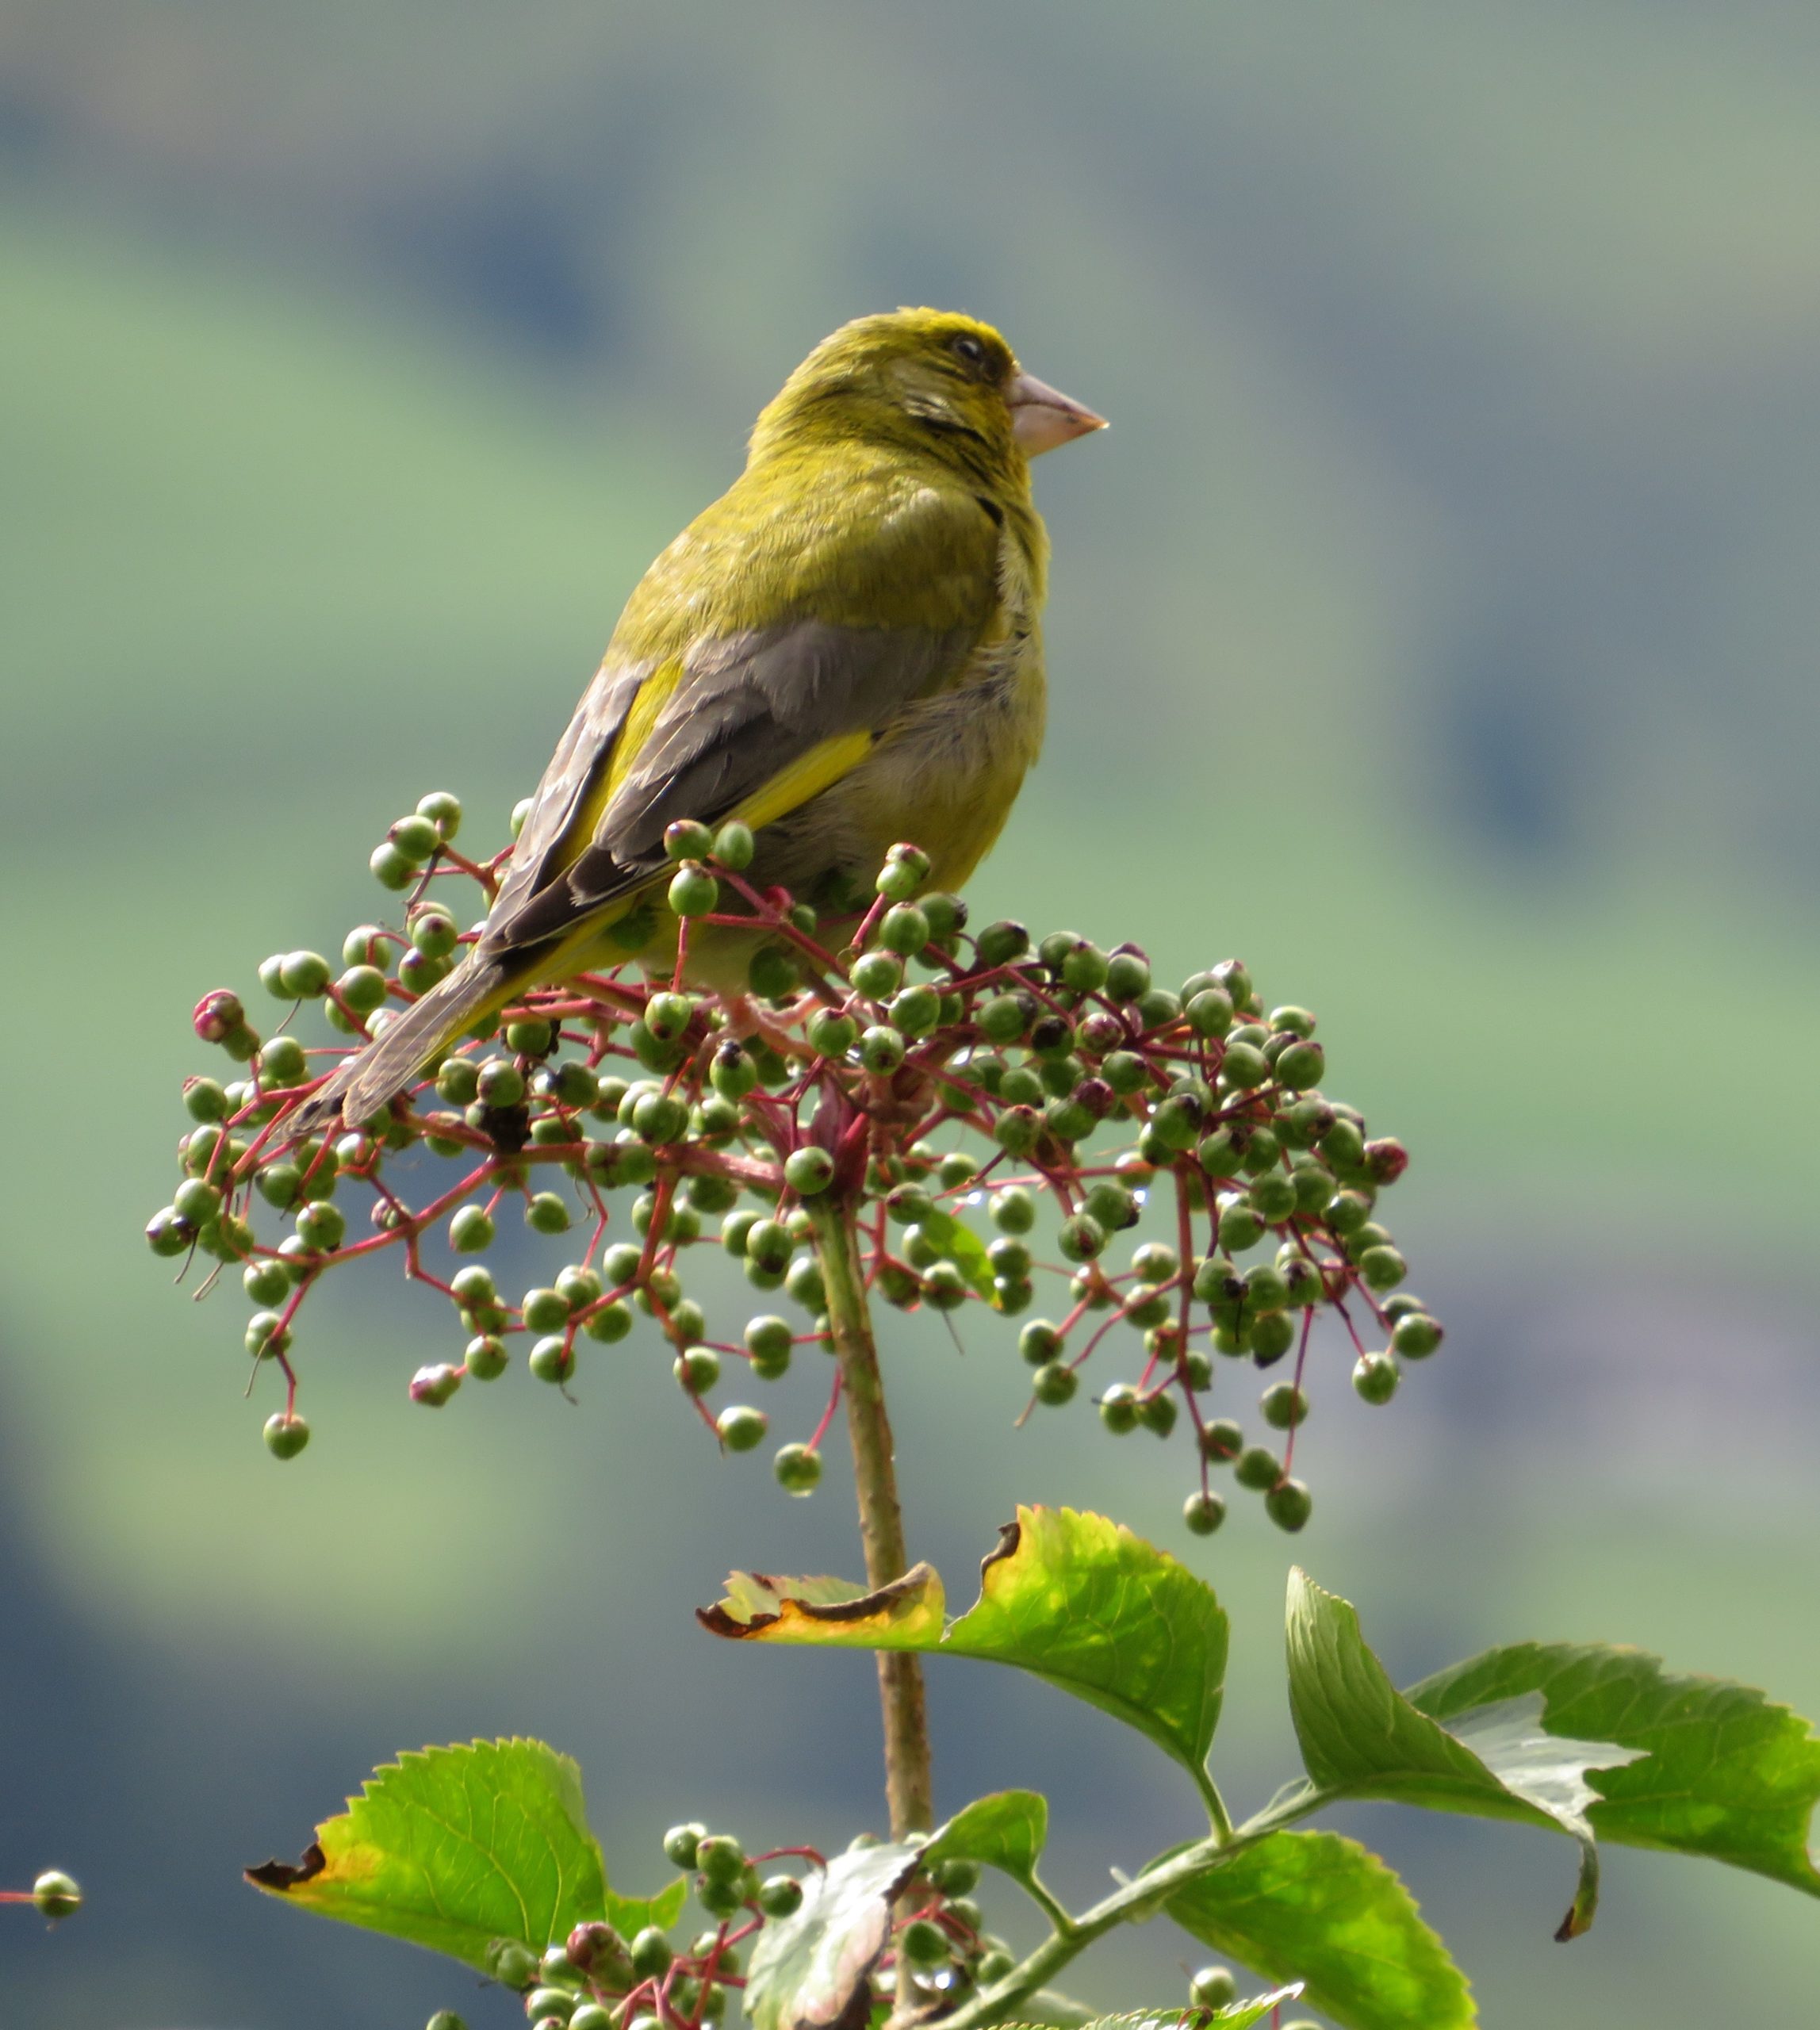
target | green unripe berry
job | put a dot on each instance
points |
(544, 1310)
(831, 1035)
(1300, 1065)
(1203, 1513)
(1289, 1505)
(1128, 976)
(362, 989)
(1124, 1071)
(1005, 1018)
(485, 1358)
(1375, 1377)
(1243, 1066)
(696, 1371)
(1021, 1087)
(1270, 1337)
(1284, 1405)
(1118, 1408)
(667, 1016)
(1382, 1267)
(608, 1323)
(197, 1202)
(1010, 1258)
(546, 1213)
(797, 1469)
(1258, 1468)
(1014, 1210)
(923, 1943)
(1343, 1145)
(1240, 1227)
(915, 1010)
(903, 929)
(1080, 1238)
(878, 974)
(742, 1428)
(470, 1230)
(286, 1434)
(733, 1072)
(780, 1896)
(693, 891)
(391, 868)
(1265, 1289)
(56, 1895)
(733, 846)
(322, 1226)
(1209, 1011)
(772, 972)
(266, 1334)
(591, 2016)
(1211, 1277)
(686, 839)
(1222, 1439)
(1415, 1336)
(1053, 1384)
(1039, 1342)
(944, 1287)
(1112, 1206)
(1158, 1414)
(552, 1359)
(804, 1283)
(1212, 1987)
(881, 1048)
(1000, 944)
(1084, 967)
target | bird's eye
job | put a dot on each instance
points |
(965, 347)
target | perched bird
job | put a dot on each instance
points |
(842, 652)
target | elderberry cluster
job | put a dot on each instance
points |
(888, 1070)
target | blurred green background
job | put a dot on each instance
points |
(1434, 629)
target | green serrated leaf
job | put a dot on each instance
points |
(1083, 1602)
(1234, 2016)
(1317, 1909)
(1005, 1831)
(1728, 1775)
(961, 1246)
(811, 1968)
(1075, 1599)
(1362, 1738)
(454, 1848)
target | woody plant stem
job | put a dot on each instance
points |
(908, 1787)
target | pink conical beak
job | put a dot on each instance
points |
(1043, 417)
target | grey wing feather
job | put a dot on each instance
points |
(747, 705)
(584, 752)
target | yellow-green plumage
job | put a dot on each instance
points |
(843, 651)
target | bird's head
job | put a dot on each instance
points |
(934, 378)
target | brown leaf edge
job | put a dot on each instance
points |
(867, 1606)
(280, 1876)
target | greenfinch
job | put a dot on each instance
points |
(843, 652)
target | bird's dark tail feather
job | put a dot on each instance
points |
(366, 1083)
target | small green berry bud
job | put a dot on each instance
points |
(1118, 1408)
(733, 846)
(1415, 1336)
(56, 1895)
(470, 1230)
(693, 891)
(797, 1469)
(742, 1428)
(552, 1359)
(686, 839)
(1258, 1468)
(286, 1435)
(1284, 1405)
(903, 929)
(1289, 1505)
(1203, 1513)
(1053, 1384)
(1080, 1238)
(1212, 1987)
(698, 1370)
(780, 1896)
(882, 1048)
